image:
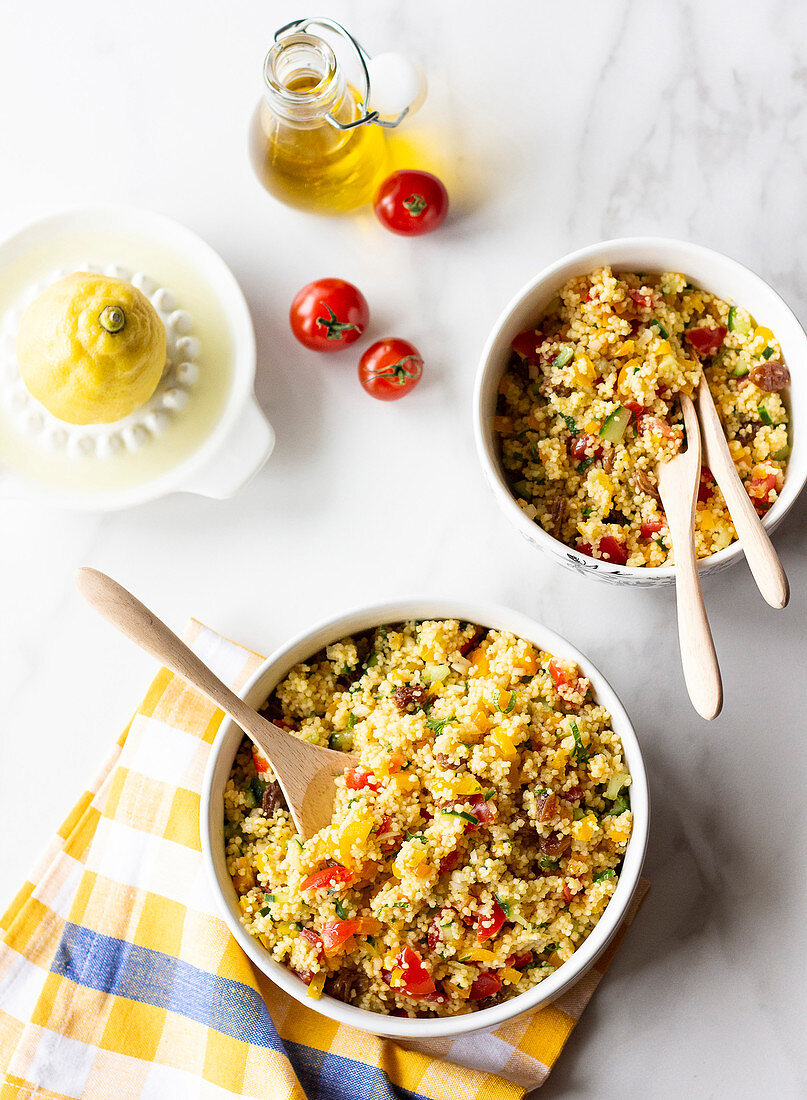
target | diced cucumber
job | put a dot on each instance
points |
(435, 674)
(765, 416)
(522, 489)
(615, 424)
(782, 454)
(740, 372)
(768, 352)
(615, 785)
(742, 325)
(563, 357)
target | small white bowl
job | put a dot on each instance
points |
(257, 690)
(708, 269)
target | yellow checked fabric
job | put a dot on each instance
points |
(119, 979)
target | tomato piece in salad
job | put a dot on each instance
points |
(486, 985)
(327, 877)
(611, 549)
(489, 924)
(336, 932)
(417, 981)
(706, 341)
(651, 527)
(359, 778)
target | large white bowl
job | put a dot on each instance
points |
(306, 645)
(708, 269)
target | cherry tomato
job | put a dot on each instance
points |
(651, 527)
(611, 549)
(390, 368)
(356, 779)
(417, 980)
(328, 315)
(485, 986)
(326, 877)
(337, 932)
(411, 203)
(490, 924)
(706, 341)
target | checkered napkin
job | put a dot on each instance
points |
(119, 979)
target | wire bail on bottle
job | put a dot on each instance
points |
(393, 86)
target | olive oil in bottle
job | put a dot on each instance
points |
(302, 145)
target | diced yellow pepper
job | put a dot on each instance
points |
(316, 986)
(262, 861)
(762, 333)
(353, 835)
(593, 427)
(481, 719)
(457, 990)
(560, 759)
(406, 781)
(626, 373)
(396, 977)
(664, 348)
(584, 370)
(510, 975)
(504, 742)
(480, 954)
(467, 784)
(480, 662)
(707, 520)
(533, 421)
(584, 829)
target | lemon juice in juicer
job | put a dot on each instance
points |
(316, 141)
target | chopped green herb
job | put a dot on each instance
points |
(570, 424)
(619, 807)
(661, 329)
(563, 357)
(586, 512)
(438, 724)
(505, 905)
(660, 542)
(341, 912)
(603, 875)
(447, 924)
(547, 864)
(371, 940)
(400, 905)
(352, 720)
(511, 703)
(579, 753)
(416, 836)
(584, 465)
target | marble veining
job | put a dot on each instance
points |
(553, 125)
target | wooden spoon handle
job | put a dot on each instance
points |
(698, 657)
(762, 559)
(134, 619)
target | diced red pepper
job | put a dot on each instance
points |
(574, 794)
(314, 939)
(585, 548)
(706, 341)
(651, 526)
(337, 932)
(326, 877)
(525, 343)
(485, 986)
(387, 836)
(635, 408)
(567, 893)
(518, 962)
(490, 923)
(585, 446)
(259, 760)
(707, 484)
(760, 489)
(356, 779)
(418, 982)
(649, 423)
(304, 975)
(611, 549)
(471, 645)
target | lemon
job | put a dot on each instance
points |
(91, 349)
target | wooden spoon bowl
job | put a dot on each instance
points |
(304, 771)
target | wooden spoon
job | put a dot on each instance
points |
(304, 771)
(762, 559)
(678, 481)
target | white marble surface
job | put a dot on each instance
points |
(558, 125)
